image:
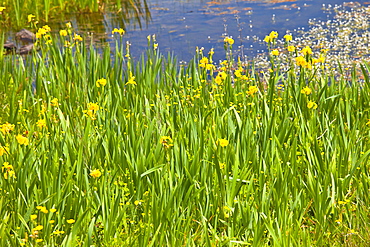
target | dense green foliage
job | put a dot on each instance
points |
(19, 14)
(99, 150)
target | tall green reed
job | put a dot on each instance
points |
(191, 155)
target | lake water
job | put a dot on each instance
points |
(182, 25)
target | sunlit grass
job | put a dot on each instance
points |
(19, 14)
(99, 149)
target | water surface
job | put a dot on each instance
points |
(181, 25)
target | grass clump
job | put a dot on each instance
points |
(98, 149)
(22, 13)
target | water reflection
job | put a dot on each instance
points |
(204, 23)
(132, 12)
(181, 25)
(125, 14)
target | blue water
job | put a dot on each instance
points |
(181, 25)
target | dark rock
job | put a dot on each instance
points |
(9, 46)
(26, 49)
(26, 36)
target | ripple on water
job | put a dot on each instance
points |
(346, 37)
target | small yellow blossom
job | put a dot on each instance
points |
(95, 173)
(41, 123)
(244, 77)
(120, 31)
(54, 102)
(2, 9)
(69, 25)
(324, 51)
(77, 37)
(342, 202)
(4, 150)
(222, 142)
(131, 81)
(229, 40)
(321, 59)
(312, 105)
(63, 32)
(43, 110)
(224, 63)
(238, 73)
(33, 216)
(306, 50)
(308, 66)
(306, 91)
(221, 76)
(288, 37)
(211, 52)
(6, 167)
(39, 240)
(30, 17)
(275, 52)
(38, 228)
(42, 209)
(57, 232)
(47, 28)
(166, 141)
(9, 174)
(218, 80)
(203, 62)
(101, 82)
(252, 90)
(8, 170)
(71, 221)
(267, 39)
(93, 107)
(42, 31)
(6, 128)
(291, 48)
(22, 140)
(53, 210)
(338, 221)
(274, 35)
(301, 61)
(210, 66)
